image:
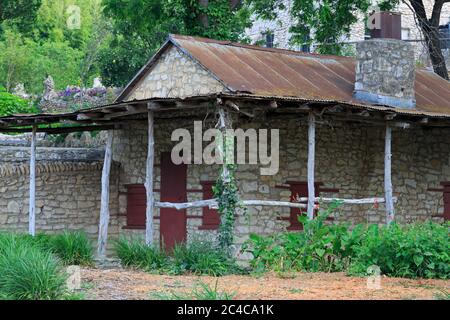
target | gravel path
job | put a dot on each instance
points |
(120, 284)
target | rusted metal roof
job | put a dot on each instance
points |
(285, 73)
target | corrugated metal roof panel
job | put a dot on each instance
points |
(286, 73)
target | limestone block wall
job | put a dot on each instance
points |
(348, 157)
(68, 190)
(170, 76)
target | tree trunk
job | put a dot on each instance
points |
(203, 17)
(430, 30)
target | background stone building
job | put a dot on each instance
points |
(281, 35)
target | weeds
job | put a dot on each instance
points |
(202, 291)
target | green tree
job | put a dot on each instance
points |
(330, 20)
(20, 12)
(141, 26)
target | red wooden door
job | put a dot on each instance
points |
(173, 189)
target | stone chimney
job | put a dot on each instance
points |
(385, 65)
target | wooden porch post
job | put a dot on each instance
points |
(149, 181)
(388, 176)
(32, 204)
(104, 211)
(311, 156)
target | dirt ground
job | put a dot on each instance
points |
(119, 284)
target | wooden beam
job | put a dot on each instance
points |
(347, 201)
(388, 175)
(104, 207)
(311, 156)
(149, 181)
(60, 130)
(213, 204)
(32, 204)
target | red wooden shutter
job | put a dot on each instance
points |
(299, 190)
(211, 218)
(136, 206)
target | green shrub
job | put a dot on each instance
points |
(135, 253)
(320, 247)
(72, 247)
(28, 273)
(11, 104)
(416, 250)
(198, 257)
(201, 257)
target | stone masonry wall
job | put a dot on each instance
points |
(67, 190)
(169, 76)
(348, 157)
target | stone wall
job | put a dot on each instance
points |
(169, 76)
(68, 189)
(348, 157)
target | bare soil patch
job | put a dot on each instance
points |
(120, 284)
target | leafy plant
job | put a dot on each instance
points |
(11, 104)
(416, 250)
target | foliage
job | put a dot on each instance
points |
(141, 26)
(135, 253)
(198, 257)
(417, 250)
(202, 291)
(201, 257)
(227, 195)
(21, 13)
(73, 248)
(320, 247)
(11, 104)
(27, 272)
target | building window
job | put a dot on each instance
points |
(269, 38)
(210, 218)
(405, 34)
(136, 206)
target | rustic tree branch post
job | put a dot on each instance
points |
(104, 206)
(149, 181)
(311, 156)
(32, 204)
(388, 175)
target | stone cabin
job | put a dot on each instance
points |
(371, 128)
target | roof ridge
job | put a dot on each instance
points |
(259, 48)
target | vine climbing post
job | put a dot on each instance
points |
(226, 190)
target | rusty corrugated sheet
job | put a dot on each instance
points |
(284, 73)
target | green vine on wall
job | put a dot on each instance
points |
(227, 195)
